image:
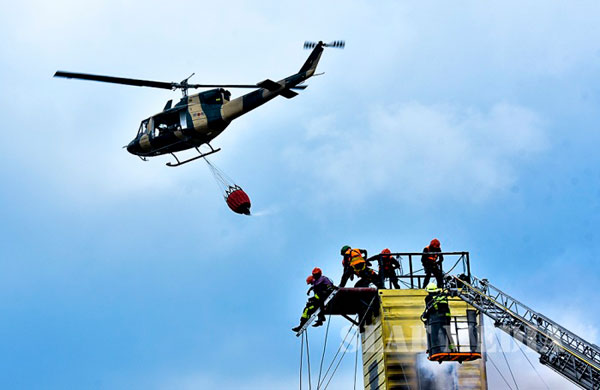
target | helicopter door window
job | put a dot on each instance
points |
(183, 119)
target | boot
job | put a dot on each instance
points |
(319, 322)
(302, 322)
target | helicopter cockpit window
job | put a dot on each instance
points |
(143, 128)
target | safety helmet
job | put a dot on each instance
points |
(317, 272)
(435, 243)
(432, 287)
(344, 250)
(386, 251)
(310, 279)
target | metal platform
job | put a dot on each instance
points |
(348, 302)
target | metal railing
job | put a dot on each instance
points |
(412, 277)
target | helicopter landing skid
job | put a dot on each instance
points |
(178, 163)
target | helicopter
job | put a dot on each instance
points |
(197, 119)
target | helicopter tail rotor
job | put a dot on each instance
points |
(336, 44)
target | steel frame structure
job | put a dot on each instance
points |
(563, 351)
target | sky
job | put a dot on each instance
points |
(476, 123)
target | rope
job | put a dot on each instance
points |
(223, 181)
(455, 264)
(339, 362)
(308, 360)
(301, 358)
(356, 362)
(324, 346)
(531, 364)
(335, 357)
(506, 360)
(496, 367)
(355, 332)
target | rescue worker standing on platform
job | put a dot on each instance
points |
(321, 286)
(387, 268)
(359, 265)
(437, 320)
(432, 263)
(348, 271)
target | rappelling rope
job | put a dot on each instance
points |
(364, 317)
(505, 359)
(339, 361)
(324, 346)
(301, 358)
(335, 356)
(308, 360)
(356, 361)
(531, 364)
(496, 367)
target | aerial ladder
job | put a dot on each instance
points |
(561, 350)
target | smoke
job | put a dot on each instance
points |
(434, 376)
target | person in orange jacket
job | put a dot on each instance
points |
(432, 263)
(360, 266)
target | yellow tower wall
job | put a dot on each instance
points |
(394, 349)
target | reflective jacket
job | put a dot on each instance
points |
(436, 303)
(357, 261)
(430, 257)
(348, 256)
(388, 262)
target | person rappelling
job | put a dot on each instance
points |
(321, 287)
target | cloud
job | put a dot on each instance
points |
(419, 153)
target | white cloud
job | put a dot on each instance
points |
(414, 152)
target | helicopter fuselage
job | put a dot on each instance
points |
(197, 119)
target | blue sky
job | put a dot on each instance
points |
(474, 123)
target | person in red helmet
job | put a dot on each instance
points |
(387, 267)
(432, 263)
(321, 286)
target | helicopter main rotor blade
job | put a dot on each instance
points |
(150, 83)
(116, 80)
(235, 86)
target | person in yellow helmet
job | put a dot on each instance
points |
(437, 319)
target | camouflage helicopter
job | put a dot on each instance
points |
(197, 119)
